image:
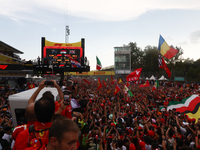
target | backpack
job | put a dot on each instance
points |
(34, 141)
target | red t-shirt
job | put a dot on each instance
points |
(21, 128)
(24, 139)
(67, 112)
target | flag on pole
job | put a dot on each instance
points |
(165, 50)
(127, 84)
(117, 89)
(111, 80)
(98, 66)
(162, 64)
(128, 91)
(188, 106)
(99, 84)
(86, 81)
(120, 80)
(104, 83)
(146, 84)
(156, 85)
(133, 76)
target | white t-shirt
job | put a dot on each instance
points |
(7, 137)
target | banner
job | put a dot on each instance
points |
(91, 73)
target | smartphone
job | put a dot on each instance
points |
(48, 83)
(66, 99)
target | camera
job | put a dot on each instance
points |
(48, 83)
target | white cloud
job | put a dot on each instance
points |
(103, 10)
(195, 37)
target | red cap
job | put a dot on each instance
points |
(142, 144)
(151, 133)
(113, 125)
(132, 146)
(140, 128)
(102, 105)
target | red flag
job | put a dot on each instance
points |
(111, 80)
(86, 81)
(153, 89)
(163, 65)
(117, 89)
(31, 86)
(145, 85)
(127, 84)
(104, 83)
(133, 76)
(99, 84)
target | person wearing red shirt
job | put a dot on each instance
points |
(44, 112)
(30, 115)
(63, 135)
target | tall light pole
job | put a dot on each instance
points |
(67, 33)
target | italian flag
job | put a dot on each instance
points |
(156, 85)
(188, 106)
(126, 90)
(98, 66)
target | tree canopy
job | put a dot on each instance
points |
(179, 67)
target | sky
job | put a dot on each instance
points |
(104, 24)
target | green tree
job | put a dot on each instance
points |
(151, 58)
(136, 56)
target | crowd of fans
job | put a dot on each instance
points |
(101, 119)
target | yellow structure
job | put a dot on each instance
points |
(91, 73)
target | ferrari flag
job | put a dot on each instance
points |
(133, 76)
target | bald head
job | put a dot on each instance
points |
(30, 114)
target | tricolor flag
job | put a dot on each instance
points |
(117, 89)
(99, 84)
(165, 50)
(188, 106)
(145, 85)
(162, 64)
(156, 85)
(98, 66)
(134, 76)
(126, 90)
(75, 63)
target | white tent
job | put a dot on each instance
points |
(147, 78)
(162, 78)
(35, 77)
(152, 78)
(28, 76)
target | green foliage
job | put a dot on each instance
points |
(148, 60)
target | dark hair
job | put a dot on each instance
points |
(61, 126)
(44, 109)
(48, 95)
(120, 143)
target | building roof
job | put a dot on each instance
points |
(9, 49)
